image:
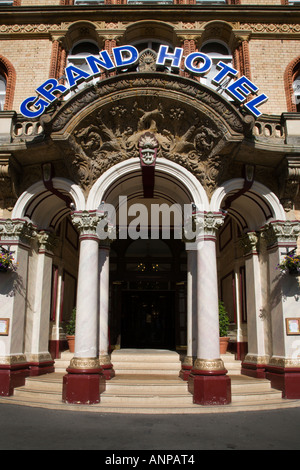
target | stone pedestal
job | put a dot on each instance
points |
(12, 376)
(286, 379)
(210, 389)
(83, 387)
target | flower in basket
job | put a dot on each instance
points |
(290, 264)
(6, 261)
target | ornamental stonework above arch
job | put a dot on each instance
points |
(102, 125)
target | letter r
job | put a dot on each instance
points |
(49, 87)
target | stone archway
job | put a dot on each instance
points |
(101, 126)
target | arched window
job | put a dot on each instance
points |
(296, 89)
(81, 50)
(2, 92)
(77, 56)
(152, 44)
(292, 85)
(217, 51)
(7, 84)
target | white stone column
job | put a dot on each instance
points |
(86, 336)
(187, 363)
(15, 236)
(258, 349)
(208, 381)
(104, 357)
(207, 302)
(39, 304)
(83, 383)
(283, 368)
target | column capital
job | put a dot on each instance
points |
(16, 231)
(46, 241)
(201, 226)
(281, 232)
(208, 224)
(86, 223)
(249, 242)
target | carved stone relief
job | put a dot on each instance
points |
(112, 135)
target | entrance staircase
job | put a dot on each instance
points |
(147, 382)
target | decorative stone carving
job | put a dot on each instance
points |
(289, 178)
(249, 243)
(278, 361)
(46, 240)
(190, 140)
(17, 230)
(147, 61)
(8, 181)
(84, 363)
(209, 364)
(86, 222)
(208, 224)
(281, 232)
(148, 147)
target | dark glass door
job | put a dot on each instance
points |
(148, 320)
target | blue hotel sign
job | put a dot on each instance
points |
(196, 63)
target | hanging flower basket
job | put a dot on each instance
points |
(291, 265)
(6, 261)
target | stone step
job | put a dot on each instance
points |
(247, 394)
(154, 388)
(144, 355)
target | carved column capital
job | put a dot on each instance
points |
(208, 224)
(284, 233)
(16, 230)
(46, 241)
(289, 178)
(249, 243)
(86, 222)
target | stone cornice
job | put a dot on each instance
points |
(249, 13)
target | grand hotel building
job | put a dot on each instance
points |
(237, 168)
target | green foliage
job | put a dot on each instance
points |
(70, 326)
(223, 320)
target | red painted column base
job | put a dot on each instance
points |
(83, 386)
(185, 372)
(257, 371)
(210, 388)
(12, 376)
(285, 379)
(41, 368)
(108, 371)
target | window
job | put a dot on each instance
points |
(6, 2)
(2, 92)
(142, 2)
(80, 51)
(150, 44)
(88, 2)
(296, 88)
(77, 56)
(217, 51)
(214, 2)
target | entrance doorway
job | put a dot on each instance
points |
(148, 294)
(148, 320)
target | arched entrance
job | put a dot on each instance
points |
(148, 275)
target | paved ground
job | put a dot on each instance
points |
(24, 428)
